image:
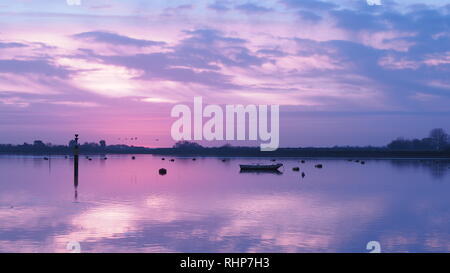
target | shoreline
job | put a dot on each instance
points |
(270, 156)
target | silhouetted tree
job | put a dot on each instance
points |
(400, 144)
(90, 145)
(38, 143)
(102, 143)
(186, 145)
(72, 143)
(439, 138)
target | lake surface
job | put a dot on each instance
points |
(124, 205)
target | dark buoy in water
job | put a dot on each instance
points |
(303, 161)
(303, 175)
(172, 160)
(163, 158)
(194, 159)
(45, 158)
(362, 162)
(105, 158)
(90, 159)
(162, 171)
(296, 169)
(319, 166)
(273, 160)
(65, 156)
(133, 157)
(356, 160)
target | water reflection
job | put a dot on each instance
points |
(277, 172)
(75, 167)
(438, 168)
(209, 206)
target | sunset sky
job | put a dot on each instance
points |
(343, 72)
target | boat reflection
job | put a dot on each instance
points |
(261, 171)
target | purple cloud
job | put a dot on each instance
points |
(272, 52)
(220, 5)
(115, 39)
(357, 20)
(39, 66)
(204, 49)
(175, 11)
(309, 16)
(398, 84)
(11, 45)
(309, 4)
(252, 8)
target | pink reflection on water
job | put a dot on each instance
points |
(206, 205)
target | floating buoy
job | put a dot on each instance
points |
(194, 159)
(133, 157)
(303, 161)
(45, 158)
(163, 158)
(362, 162)
(303, 174)
(224, 160)
(319, 166)
(273, 160)
(105, 158)
(296, 169)
(90, 159)
(172, 160)
(162, 171)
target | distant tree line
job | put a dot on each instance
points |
(437, 144)
(39, 147)
(437, 140)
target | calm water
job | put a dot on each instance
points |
(123, 205)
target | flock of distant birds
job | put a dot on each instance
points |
(163, 171)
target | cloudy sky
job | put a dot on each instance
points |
(344, 72)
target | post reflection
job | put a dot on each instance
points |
(75, 167)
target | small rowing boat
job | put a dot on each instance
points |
(262, 167)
